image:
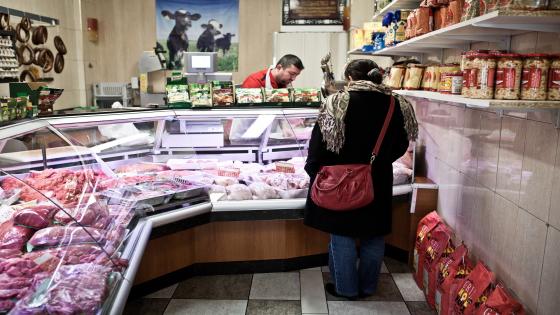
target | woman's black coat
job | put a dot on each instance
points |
(364, 119)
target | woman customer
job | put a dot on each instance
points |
(347, 129)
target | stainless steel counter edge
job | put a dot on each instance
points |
(136, 251)
(179, 214)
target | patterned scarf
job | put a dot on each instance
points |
(333, 111)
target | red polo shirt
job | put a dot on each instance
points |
(258, 79)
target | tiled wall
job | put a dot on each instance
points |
(499, 180)
(68, 13)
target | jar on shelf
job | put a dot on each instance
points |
(396, 76)
(534, 79)
(482, 76)
(413, 77)
(508, 77)
(447, 68)
(427, 77)
(524, 4)
(554, 79)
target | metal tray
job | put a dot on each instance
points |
(115, 197)
(189, 193)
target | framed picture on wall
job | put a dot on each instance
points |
(312, 12)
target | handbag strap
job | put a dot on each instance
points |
(383, 129)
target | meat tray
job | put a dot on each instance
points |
(127, 195)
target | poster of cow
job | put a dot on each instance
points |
(199, 25)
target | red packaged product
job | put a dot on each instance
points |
(425, 226)
(473, 291)
(424, 21)
(450, 275)
(500, 302)
(439, 247)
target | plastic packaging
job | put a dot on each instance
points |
(454, 12)
(427, 78)
(534, 80)
(554, 79)
(448, 69)
(410, 31)
(413, 77)
(471, 9)
(396, 77)
(222, 93)
(508, 77)
(482, 76)
(424, 21)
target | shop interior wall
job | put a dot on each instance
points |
(499, 178)
(70, 29)
(128, 27)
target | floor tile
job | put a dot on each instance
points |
(367, 308)
(387, 290)
(313, 299)
(146, 307)
(224, 287)
(165, 293)
(420, 308)
(266, 307)
(384, 268)
(275, 286)
(396, 266)
(206, 307)
(408, 287)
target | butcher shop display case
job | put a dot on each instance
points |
(64, 246)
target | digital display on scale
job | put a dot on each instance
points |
(201, 62)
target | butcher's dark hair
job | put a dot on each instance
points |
(363, 69)
(290, 60)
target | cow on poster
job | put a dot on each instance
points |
(199, 26)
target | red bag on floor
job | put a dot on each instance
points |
(425, 226)
(438, 247)
(473, 291)
(500, 302)
(449, 277)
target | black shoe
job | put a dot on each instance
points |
(363, 295)
(332, 291)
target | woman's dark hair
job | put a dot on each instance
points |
(363, 69)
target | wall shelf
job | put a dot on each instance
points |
(497, 26)
(519, 105)
(395, 5)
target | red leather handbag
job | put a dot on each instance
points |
(348, 186)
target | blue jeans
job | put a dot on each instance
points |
(349, 279)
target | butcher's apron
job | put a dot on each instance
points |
(267, 83)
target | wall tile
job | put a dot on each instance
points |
(465, 211)
(482, 227)
(502, 220)
(554, 216)
(488, 147)
(538, 163)
(524, 43)
(529, 239)
(469, 143)
(448, 192)
(549, 303)
(548, 42)
(512, 146)
(451, 131)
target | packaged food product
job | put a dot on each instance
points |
(410, 30)
(434, 82)
(423, 234)
(222, 93)
(445, 83)
(535, 77)
(456, 83)
(437, 3)
(413, 77)
(454, 12)
(400, 27)
(427, 78)
(424, 20)
(500, 301)
(491, 5)
(277, 95)
(439, 247)
(248, 96)
(473, 290)
(508, 77)
(306, 95)
(200, 94)
(285, 167)
(229, 172)
(524, 4)
(471, 9)
(554, 79)
(396, 77)
(446, 68)
(482, 75)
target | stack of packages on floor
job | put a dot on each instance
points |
(484, 74)
(452, 285)
(60, 258)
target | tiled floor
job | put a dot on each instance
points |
(299, 292)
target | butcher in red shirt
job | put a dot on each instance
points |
(279, 76)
